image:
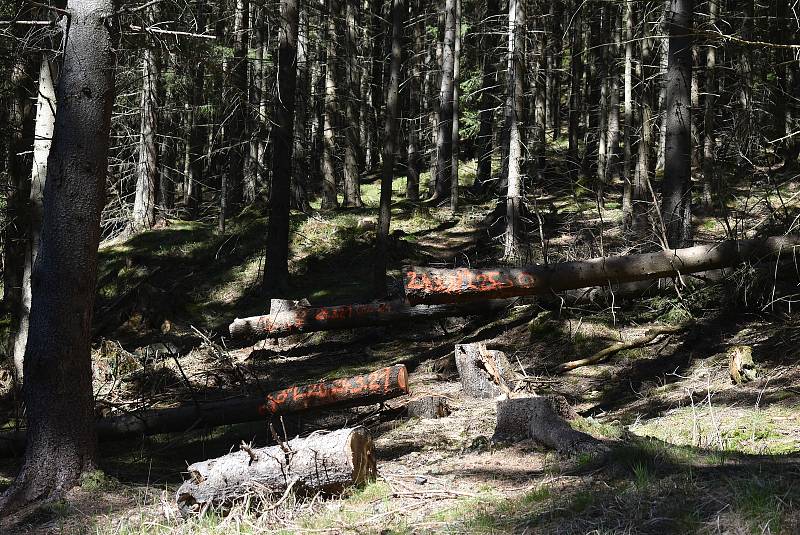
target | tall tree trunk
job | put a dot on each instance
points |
(456, 110)
(575, 92)
(539, 87)
(43, 138)
(627, 164)
(488, 94)
(20, 131)
(232, 179)
(612, 138)
(647, 96)
(276, 266)
(302, 167)
(376, 75)
(415, 97)
(252, 165)
(554, 61)
(193, 193)
(330, 200)
(389, 148)
(144, 205)
(514, 111)
(676, 188)
(58, 387)
(709, 157)
(444, 138)
(352, 185)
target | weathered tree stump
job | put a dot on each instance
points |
(326, 463)
(545, 420)
(428, 407)
(484, 373)
(741, 367)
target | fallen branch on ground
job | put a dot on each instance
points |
(651, 334)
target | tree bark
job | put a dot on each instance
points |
(456, 110)
(415, 97)
(276, 266)
(436, 286)
(330, 199)
(544, 419)
(444, 138)
(514, 111)
(709, 157)
(302, 165)
(233, 178)
(352, 184)
(484, 373)
(193, 195)
(58, 387)
(326, 463)
(489, 95)
(389, 149)
(144, 205)
(575, 101)
(43, 138)
(627, 164)
(293, 320)
(677, 196)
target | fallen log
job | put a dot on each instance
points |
(435, 286)
(327, 463)
(367, 389)
(374, 387)
(286, 321)
(544, 419)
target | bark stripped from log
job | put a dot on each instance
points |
(544, 419)
(374, 387)
(367, 389)
(285, 321)
(484, 373)
(432, 286)
(326, 463)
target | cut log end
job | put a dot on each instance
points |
(428, 407)
(484, 373)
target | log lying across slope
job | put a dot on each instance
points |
(288, 321)
(435, 286)
(326, 463)
(380, 385)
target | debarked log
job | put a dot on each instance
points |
(375, 387)
(323, 462)
(286, 321)
(435, 286)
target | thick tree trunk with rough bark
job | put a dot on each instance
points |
(484, 373)
(436, 286)
(676, 188)
(276, 266)
(415, 97)
(352, 185)
(330, 199)
(58, 385)
(323, 462)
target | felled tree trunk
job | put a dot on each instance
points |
(436, 286)
(374, 387)
(355, 391)
(484, 373)
(545, 420)
(326, 463)
(286, 321)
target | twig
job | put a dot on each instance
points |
(249, 449)
(603, 354)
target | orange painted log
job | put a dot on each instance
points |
(434, 286)
(374, 387)
(288, 321)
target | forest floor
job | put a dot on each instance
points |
(691, 452)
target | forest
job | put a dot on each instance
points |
(399, 266)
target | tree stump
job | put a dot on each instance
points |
(544, 419)
(428, 407)
(484, 373)
(326, 463)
